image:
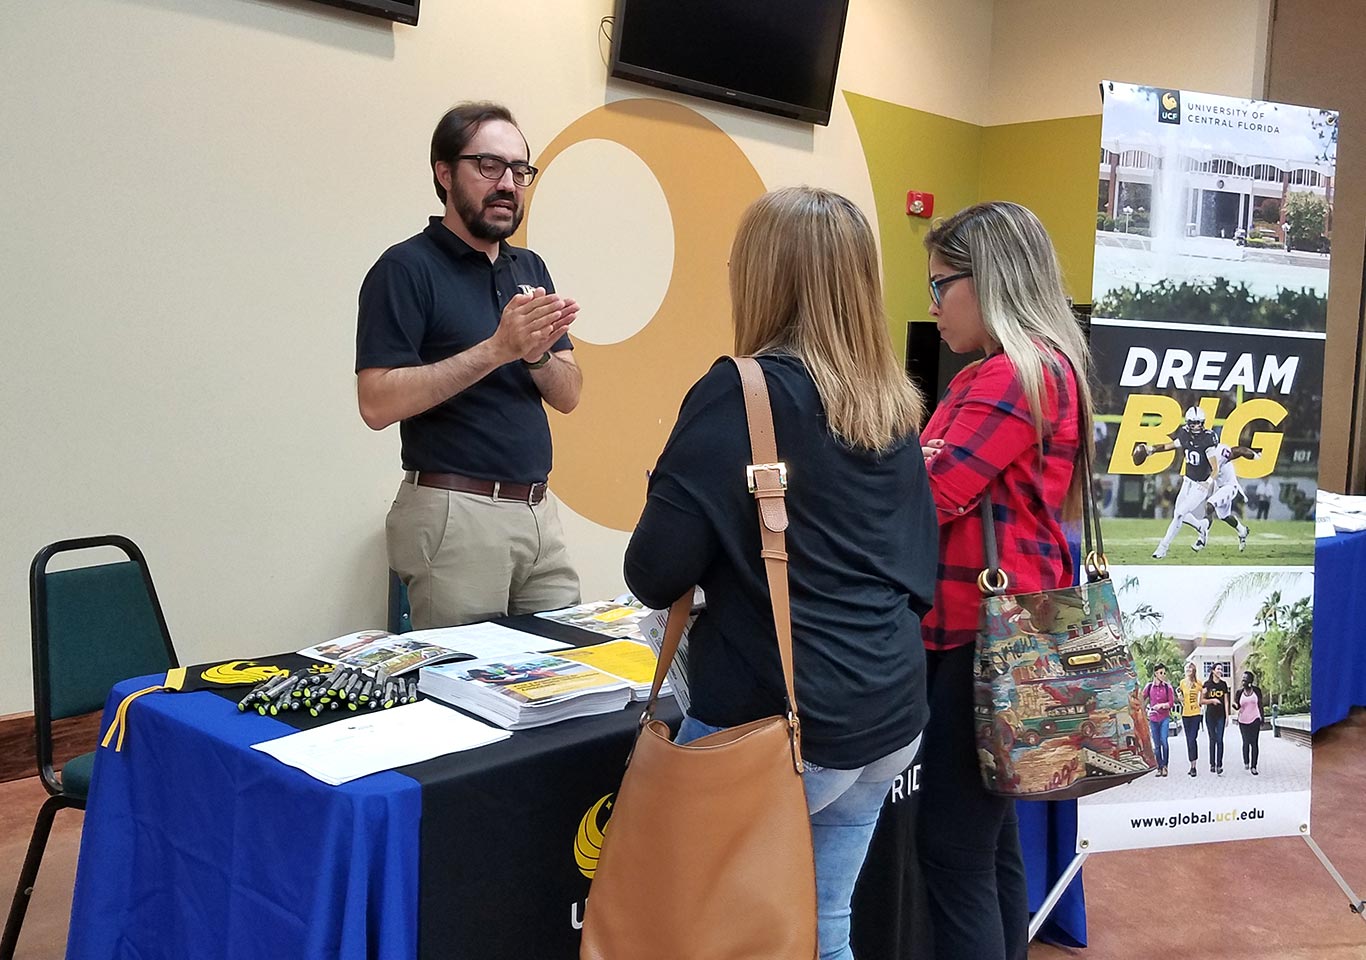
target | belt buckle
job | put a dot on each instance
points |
(532, 490)
(528, 499)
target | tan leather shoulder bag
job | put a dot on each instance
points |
(707, 855)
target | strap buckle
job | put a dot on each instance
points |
(646, 716)
(780, 466)
(794, 737)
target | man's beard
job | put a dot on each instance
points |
(472, 215)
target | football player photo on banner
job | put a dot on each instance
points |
(1213, 233)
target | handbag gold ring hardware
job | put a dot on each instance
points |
(1097, 565)
(987, 587)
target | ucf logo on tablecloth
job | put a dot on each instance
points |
(588, 838)
(240, 671)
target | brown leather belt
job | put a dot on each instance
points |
(532, 493)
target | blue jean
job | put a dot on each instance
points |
(1159, 729)
(1215, 726)
(1192, 727)
(844, 807)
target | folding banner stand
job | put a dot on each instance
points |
(1354, 903)
(1213, 229)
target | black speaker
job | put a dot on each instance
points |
(930, 363)
(933, 365)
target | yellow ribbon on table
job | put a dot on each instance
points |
(175, 679)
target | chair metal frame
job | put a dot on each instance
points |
(58, 798)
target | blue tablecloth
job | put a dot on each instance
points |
(196, 846)
(173, 862)
(1339, 671)
(1048, 836)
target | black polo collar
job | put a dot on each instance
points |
(446, 239)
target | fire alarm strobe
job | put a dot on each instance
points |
(919, 204)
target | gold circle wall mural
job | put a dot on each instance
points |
(632, 388)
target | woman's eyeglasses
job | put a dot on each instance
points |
(937, 286)
(491, 168)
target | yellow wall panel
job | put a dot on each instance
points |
(1050, 166)
(909, 149)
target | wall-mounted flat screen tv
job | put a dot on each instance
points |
(403, 11)
(778, 56)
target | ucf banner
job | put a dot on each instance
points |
(1213, 232)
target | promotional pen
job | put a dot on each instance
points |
(267, 698)
(262, 691)
(281, 698)
(354, 684)
(250, 698)
(338, 678)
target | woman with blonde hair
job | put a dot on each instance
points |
(807, 302)
(1011, 426)
(1191, 696)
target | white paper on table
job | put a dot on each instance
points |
(380, 740)
(1323, 527)
(1341, 502)
(484, 640)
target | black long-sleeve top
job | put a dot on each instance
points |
(863, 549)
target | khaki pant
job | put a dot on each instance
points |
(466, 557)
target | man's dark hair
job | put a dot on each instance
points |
(1160, 666)
(458, 127)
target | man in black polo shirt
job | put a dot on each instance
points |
(460, 340)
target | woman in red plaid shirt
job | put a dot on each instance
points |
(1009, 425)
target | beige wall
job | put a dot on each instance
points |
(1049, 56)
(201, 185)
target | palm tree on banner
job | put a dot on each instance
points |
(1147, 644)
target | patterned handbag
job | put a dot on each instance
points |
(1056, 696)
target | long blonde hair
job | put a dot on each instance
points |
(1020, 295)
(804, 280)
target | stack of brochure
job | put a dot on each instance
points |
(1339, 512)
(628, 660)
(376, 650)
(609, 618)
(380, 650)
(653, 629)
(525, 691)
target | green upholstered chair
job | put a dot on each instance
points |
(92, 627)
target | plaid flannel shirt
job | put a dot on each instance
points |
(990, 445)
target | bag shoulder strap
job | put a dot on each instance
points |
(766, 477)
(993, 580)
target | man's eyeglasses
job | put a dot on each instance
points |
(491, 168)
(937, 286)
